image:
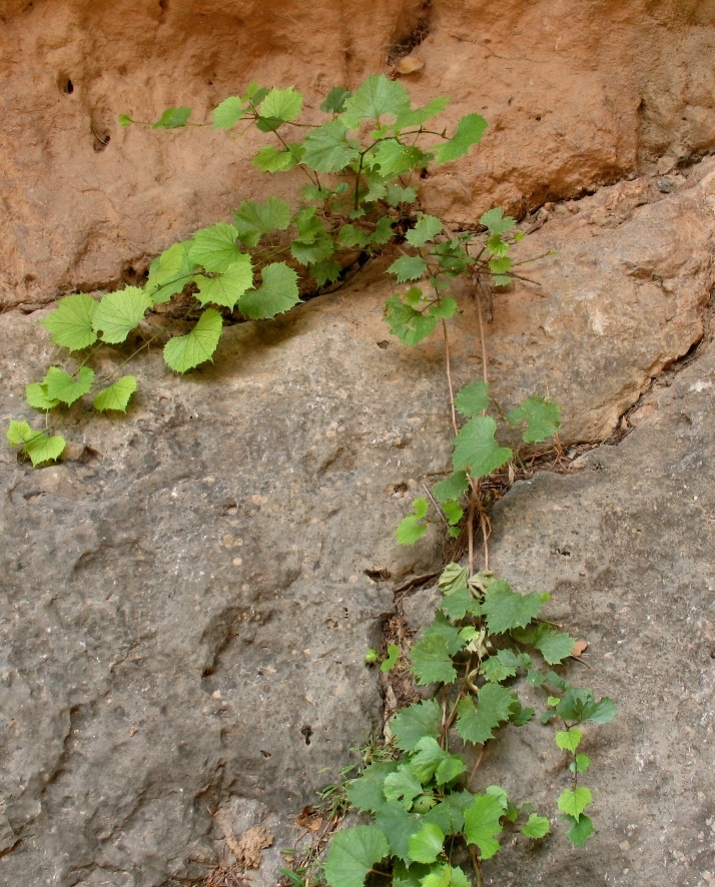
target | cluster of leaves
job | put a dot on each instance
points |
(477, 453)
(484, 637)
(360, 164)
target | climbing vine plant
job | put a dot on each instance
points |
(361, 164)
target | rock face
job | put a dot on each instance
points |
(575, 97)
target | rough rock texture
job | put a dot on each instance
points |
(576, 95)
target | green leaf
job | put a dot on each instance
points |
(505, 609)
(185, 352)
(452, 512)
(125, 120)
(116, 396)
(173, 118)
(353, 853)
(351, 236)
(554, 646)
(418, 720)
(399, 826)
(411, 528)
(496, 221)
(417, 116)
(432, 661)
(284, 104)
(61, 386)
(169, 273)
(383, 232)
(278, 293)
(253, 219)
(229, 112)
(71, 322)
(477, 723)
(377, 96)
(393, 159)
(580, 764)
(445, 876)
(431, 760)
(451, 487)
(366, 792)
(476, 450)
(536, 827)
(425, 229)
(335, 100)
(470, 130)
(457, 604)
(409, 325)
(393, 654)
(119, 313)
(326, 272)
(408, 268)
(446, 308)
(327, 148)
(269, 159)
(580, 705)
(580, 829)
(569, 740)
(482, 823)
(215, 248)
(317, 250)
(396, 194)
(574, 801)
(402, 787)
(473, 399)
(427, 844)
(542, 418)
(37, 397)
(226, 289)
(38, 446)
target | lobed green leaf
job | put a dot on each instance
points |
(116, 396)
(119, 313)
(482, 821)
(215, 248)
(278, 293)
(71, 322)
(476, 450)
(419, 720)
(183, 353)
(352, 855)
(66, 388)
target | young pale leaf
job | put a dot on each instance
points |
(335, 100)
(506, 609)
(269, 159)
(542, 418)
(496, 221)
(470, 130)
(173, 118)
(277, 293)
(451, 487)
(169, 273)
(427, 844)
(253, 219)
(473, 399)
(409, 530)
(38, 446)
(408, 268)
(185, 352)
(61, 386)
(327, 148)
(452, 511)
(536, 827)
(580, 829)
(477, 723)
(574, 801)
(453, 578)
(71, 322)
(393, 654)
(37, 397)
(482, 823)
(285, 104)
(229, 112)
(125, 120)
(580, 764)
(353, 853)
(425, 229)
(226, 289)
(568, 740)
(119, 313)
(419, 720)
(116, 396)
(393, 159)
(377, 96)
(402, 787)
(366, 792)
(215, 248)
(476, 450)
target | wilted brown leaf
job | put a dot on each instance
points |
(409, 64)
(578, 648)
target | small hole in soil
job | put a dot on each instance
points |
(266, 754)
(307, 732)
